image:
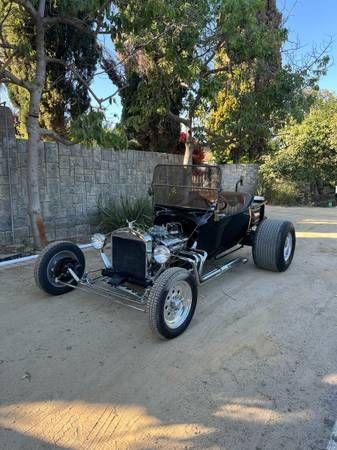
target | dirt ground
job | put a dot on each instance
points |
(257, 368)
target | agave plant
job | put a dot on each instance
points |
(114, 214)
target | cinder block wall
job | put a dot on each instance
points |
(73, 178)
(231, 173)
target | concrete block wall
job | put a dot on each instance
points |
(231, 173)
(71, 181)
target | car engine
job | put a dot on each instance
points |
(170, 235)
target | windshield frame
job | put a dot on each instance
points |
(195, 191)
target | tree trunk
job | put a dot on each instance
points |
(189, 147)
(34, 204)
(235, 154)
(33, 130)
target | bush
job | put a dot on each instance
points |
(114, 214)
(283, 193)
(302, 164)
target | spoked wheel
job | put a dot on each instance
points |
(171, 302)
(51, 269)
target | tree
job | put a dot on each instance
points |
(142, 32)
(306, 152)
(240, 37)
(34, 83)
(246, 119)
(218, 72)
(91, 129)
(64, 96)
(162, 39)
(215, 49)
(261, 92)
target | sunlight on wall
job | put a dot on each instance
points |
(80, 425)
(330, 379)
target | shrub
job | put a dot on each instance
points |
(114, 214)
(276, 189)
(304, 156)
(283, 193)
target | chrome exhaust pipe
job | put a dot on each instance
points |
(220, 270)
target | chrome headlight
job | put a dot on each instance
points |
(98, 241)
(161, 254)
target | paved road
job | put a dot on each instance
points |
(257, 369)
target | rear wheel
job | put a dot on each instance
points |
(171, 302)
(51, 268)
(274, 245)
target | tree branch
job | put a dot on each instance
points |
(74, 22)
(83, 80)
(57, 137)
(117, 91)
(42, 5)
(9, 77)
(77, 23)
(28, 7)
(82, 25)
(316, 58)
(179, 119)
(225, 68)
(71, 67)
(5, 16)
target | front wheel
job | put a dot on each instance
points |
(51, 268)
(274, 245)
(171, 302)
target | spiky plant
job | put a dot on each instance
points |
(113, 214)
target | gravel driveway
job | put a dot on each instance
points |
(257, 368)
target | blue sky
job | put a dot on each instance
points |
(314, 23)
(311, 22)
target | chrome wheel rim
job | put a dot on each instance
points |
(177, 304)
(288, 246)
